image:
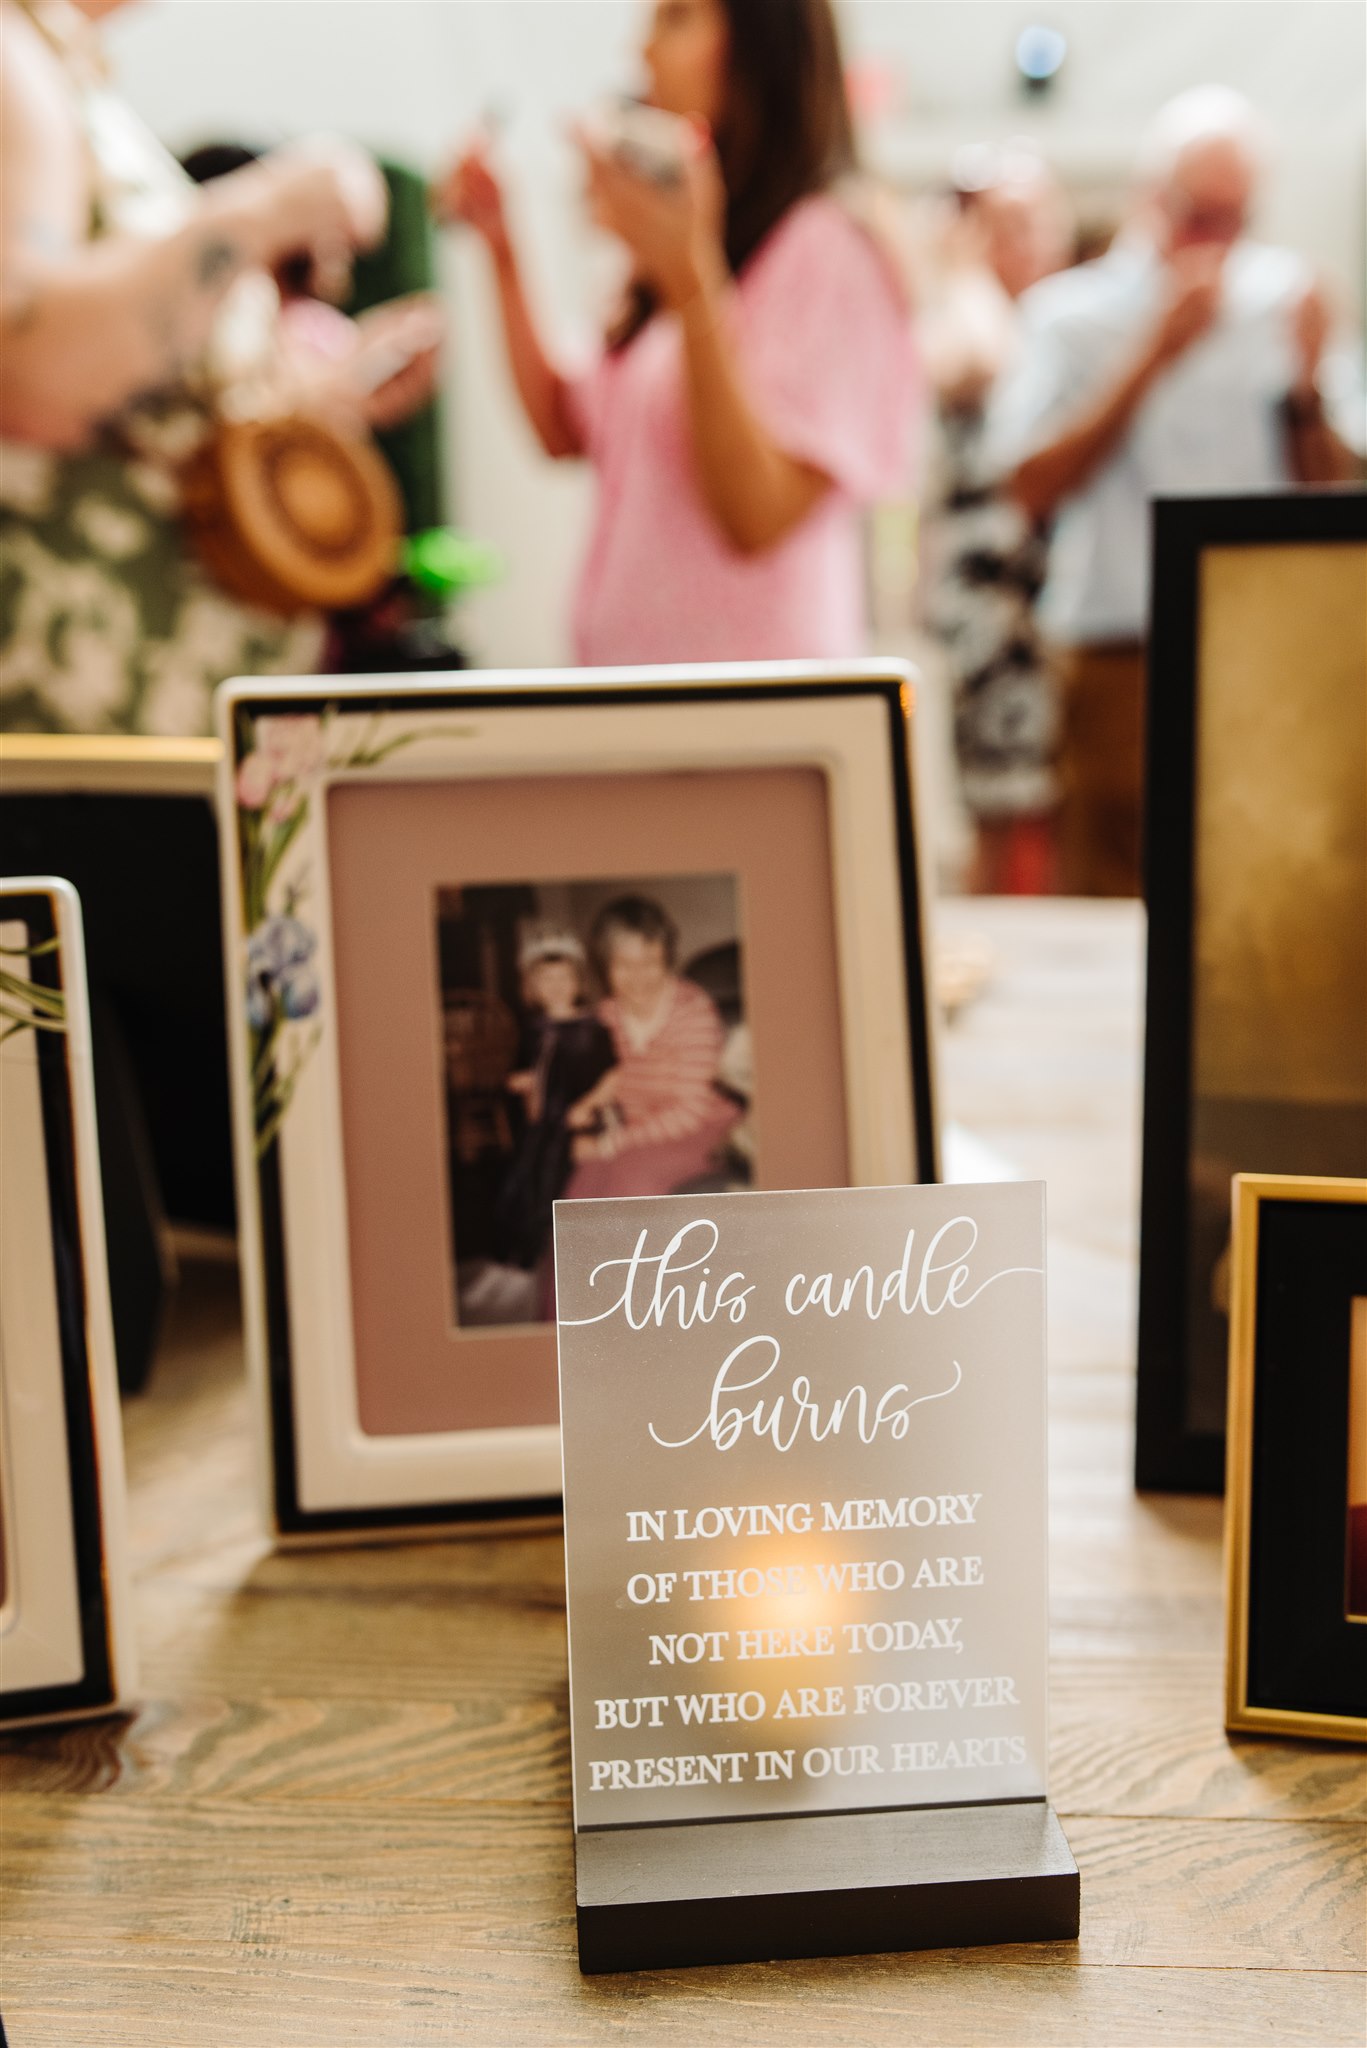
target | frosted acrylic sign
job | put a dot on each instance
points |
(804, 1463)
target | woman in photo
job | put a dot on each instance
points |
(758, 384)
(667, 1118)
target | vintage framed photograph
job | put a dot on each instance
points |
(1296, 1505)
(1256, 1055)
(497, 939)
(66, 1641)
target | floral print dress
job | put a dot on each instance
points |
(107, 621)
(988, 567)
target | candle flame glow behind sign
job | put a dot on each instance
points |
(804, 1445)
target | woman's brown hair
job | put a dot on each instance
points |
(784, 132)
(638, 917)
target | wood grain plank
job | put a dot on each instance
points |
(339, 1644)
(1145, 1736)
(338, 1751)
(507, 2001)
(1246, 1895)
(512, 2001)
(1131, 1738)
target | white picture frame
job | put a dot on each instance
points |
(66, 1635)
(289, 748)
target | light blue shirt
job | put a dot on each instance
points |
(1211, 423)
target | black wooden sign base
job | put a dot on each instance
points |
(656, 1898)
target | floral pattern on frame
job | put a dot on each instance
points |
(29, 1005)
(281, 761)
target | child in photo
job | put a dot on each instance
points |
(564, 1076)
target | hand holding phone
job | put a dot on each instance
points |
(650, 144)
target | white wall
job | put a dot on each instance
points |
(408, 76)
(1304, 64)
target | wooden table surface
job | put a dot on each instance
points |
(342, 1814)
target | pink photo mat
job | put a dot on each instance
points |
(392, 845)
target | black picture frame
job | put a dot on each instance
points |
(1171, 1454)
(93, 1476)
(1296, 1659)
(130, 823)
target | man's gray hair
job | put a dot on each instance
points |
(1205, 113)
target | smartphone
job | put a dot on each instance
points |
(644, 140)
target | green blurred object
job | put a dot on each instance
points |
(446, 564)
(406, 262)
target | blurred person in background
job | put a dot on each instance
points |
(758, 385)
(129, 303)
(1186, 360)
(1007, 226)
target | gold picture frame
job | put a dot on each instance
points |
(44, 763)
(1296, 1655)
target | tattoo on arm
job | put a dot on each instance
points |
(18, 312)
(41, 238)
(20, 289)
(164, 314)
(216, 260)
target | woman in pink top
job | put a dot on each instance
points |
(665, 1117)
(759, 385)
